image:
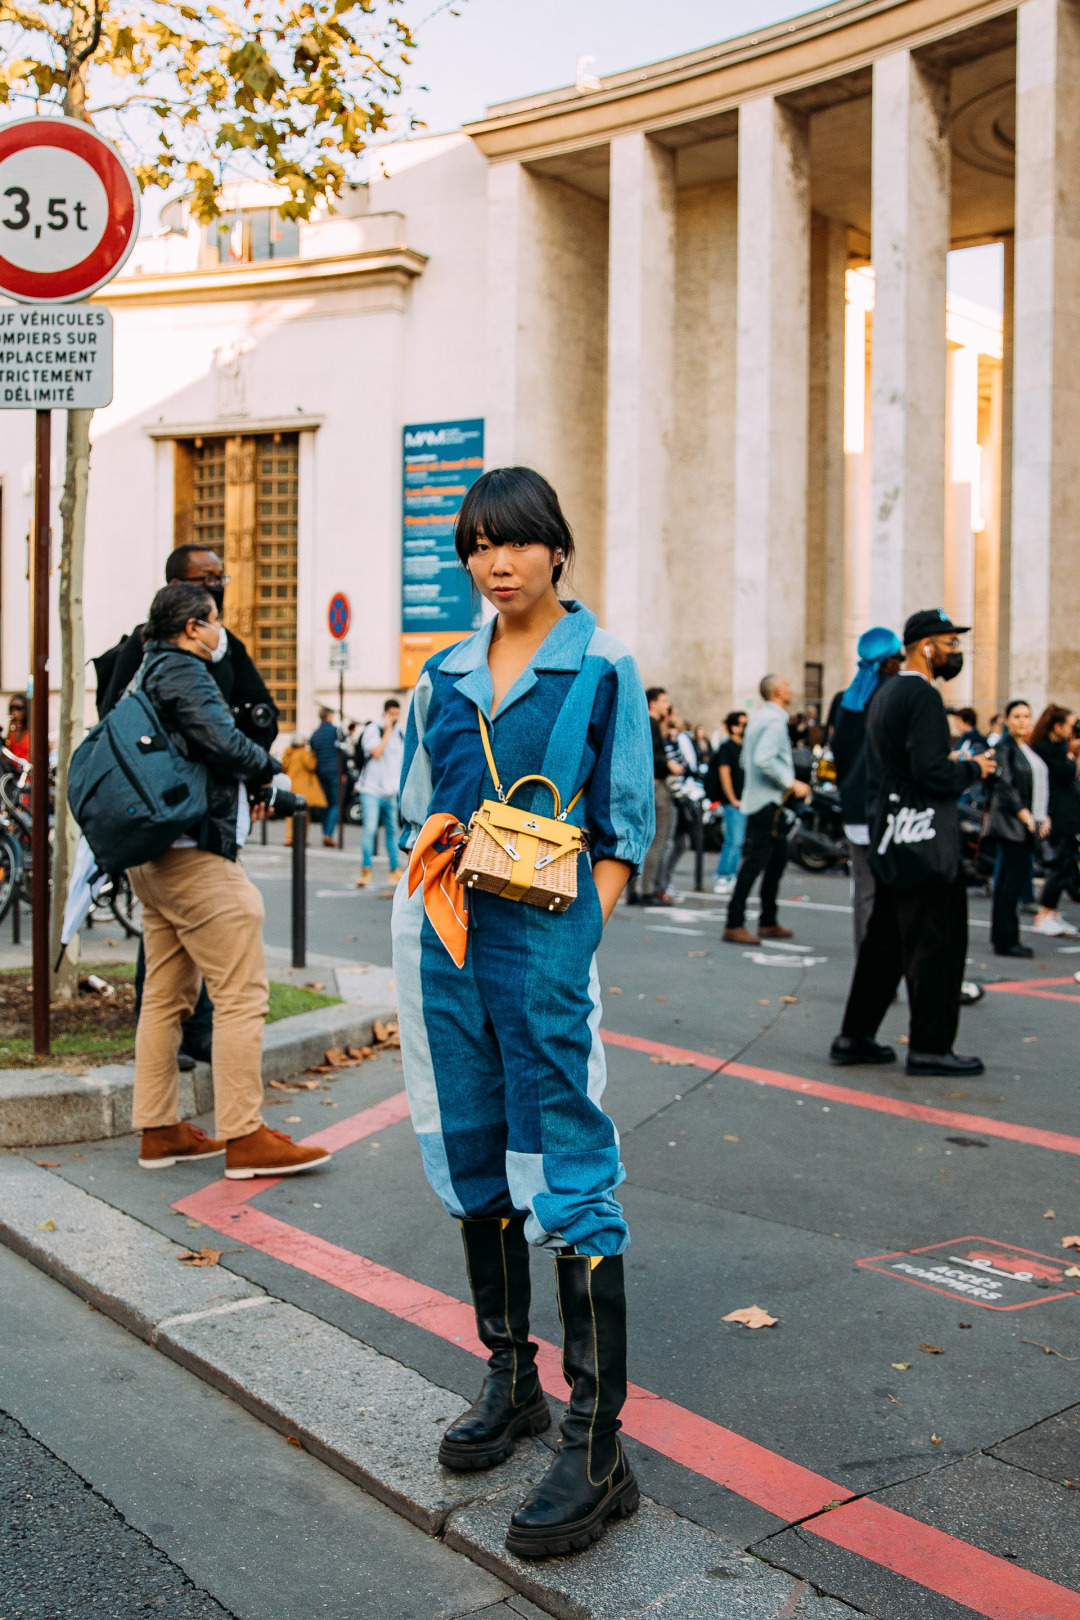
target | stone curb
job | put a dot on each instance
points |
(376, 1421)
(40, 1107)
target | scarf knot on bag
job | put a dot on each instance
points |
(434, 864)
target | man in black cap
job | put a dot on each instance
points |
(917, 931)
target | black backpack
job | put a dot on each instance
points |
(131, 790)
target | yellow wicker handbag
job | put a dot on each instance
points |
(518, 854)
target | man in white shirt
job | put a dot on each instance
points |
(382, 747)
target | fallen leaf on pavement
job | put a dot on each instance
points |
(614, 990)
(675, 1063)
(292, 1119)
(791, 1001)
(293, 1441)
(386, 1034)
(46, 1226)
(1072, 1271)
(902, 1366)
(697, 953)
(1047, 1349)
(314, 984)
(932, 1349)
(752, 1317)
(196, 1226)
(764, 1003)
(336, 1058)
(206, 1257)
(48, 1164)
(1049, 1215)
(661, 998)
(935, 1439)
(1071, 1242)
(732, 1138)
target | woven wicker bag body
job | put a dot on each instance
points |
(518, 854)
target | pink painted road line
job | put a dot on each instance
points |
(1055, 1140)
(1039, 988)
(989, 1586)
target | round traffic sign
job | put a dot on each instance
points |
(339, 615)
(69, 210)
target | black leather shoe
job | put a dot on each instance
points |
(655, 900)
(850, 1049)
(1016, 950)
(590, 1480)
(511, 1402)
(185, 1062)
(949, 1064)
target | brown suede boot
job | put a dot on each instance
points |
(165, 1145)
(740, 936)
(268, 1153)
(775, 931)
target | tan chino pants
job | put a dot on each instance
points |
(201, 915)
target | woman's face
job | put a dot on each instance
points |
(514, 576)
(17, 714)
(1019, 722)
(1063, 730)
(202, 634)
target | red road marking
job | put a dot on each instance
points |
(1055, 1140)
(990, 1586)
(1035, 987)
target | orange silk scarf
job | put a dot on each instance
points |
(445, 900)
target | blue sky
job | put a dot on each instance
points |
(495, 50)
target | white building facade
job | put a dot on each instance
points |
(707, 300)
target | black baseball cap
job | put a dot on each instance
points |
(931, 622)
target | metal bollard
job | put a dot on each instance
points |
(299, 885)
(16, 921)
(699, 850)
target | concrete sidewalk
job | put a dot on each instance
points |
(375, 1420)
(43, 1107)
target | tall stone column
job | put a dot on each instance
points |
(640, 399)
(825, 493)
(771, 401)
(1045, 607)
(509, 199)
(909, 243)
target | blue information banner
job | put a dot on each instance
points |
(442, 460)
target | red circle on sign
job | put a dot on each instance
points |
(339, 616)
(121, 188)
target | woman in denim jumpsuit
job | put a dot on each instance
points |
(502, 1054)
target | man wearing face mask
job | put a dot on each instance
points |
(239, 682)
(243, 689)
(917, 931)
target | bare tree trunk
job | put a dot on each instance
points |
(72, 688)
(85, 32)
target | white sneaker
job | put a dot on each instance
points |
(724, 887)
(1052, 924)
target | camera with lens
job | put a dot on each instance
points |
(279, 802)
(257, 721)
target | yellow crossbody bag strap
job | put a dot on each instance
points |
(490, 757)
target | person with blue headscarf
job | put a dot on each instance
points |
(880, 655)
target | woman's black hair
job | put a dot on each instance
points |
(1016, 703)
(513, 503)
(173, 606)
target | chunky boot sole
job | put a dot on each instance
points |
(552, 1541)
(464, 1458)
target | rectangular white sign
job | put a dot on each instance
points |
(339, 655)
(57, 356)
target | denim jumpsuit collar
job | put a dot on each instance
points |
(563, 648)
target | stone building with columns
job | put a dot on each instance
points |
(707, 299)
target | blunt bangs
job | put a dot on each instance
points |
(513, 504)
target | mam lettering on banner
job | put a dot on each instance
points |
(980, 1271)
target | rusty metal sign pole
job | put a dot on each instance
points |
(39, 732)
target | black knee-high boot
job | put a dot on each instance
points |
(511, 1403)
(590, 1480)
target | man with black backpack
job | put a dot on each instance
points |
(918, 927)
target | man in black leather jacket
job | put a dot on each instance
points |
(243, 689)
(202, 916)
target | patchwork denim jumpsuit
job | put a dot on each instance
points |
(503, 1061)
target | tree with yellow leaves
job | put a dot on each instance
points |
(195, 94)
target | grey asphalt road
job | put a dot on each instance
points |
(129, 1488)
(744, 1192)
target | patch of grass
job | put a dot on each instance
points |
(286, 1000)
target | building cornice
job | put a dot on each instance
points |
(230, 426)
(788, 57)
(273, 278)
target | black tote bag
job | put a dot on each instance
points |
(913, 838)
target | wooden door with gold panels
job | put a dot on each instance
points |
(237, 495)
